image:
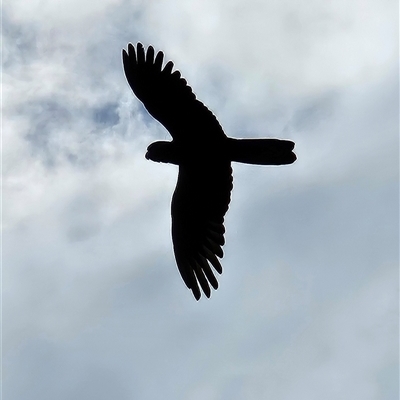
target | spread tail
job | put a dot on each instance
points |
(261, 151)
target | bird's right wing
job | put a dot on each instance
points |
(199, 204)
(167, 96)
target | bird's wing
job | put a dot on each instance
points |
(199, 204)
(167, 96)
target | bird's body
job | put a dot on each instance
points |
(204, 155)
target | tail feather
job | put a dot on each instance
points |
(261, 151)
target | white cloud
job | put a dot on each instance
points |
(290, 46)
(87, 257)
(53, 12)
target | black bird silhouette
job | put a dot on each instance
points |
(204, 155)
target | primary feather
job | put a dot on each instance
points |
(167, 96)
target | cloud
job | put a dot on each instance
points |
(90, 288)
(292, 47)
(341, 350)
(50, 13)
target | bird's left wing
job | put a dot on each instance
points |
(199, 204)
(167, 96)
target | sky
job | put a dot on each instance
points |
(93, 306)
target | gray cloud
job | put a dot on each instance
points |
(93, 305)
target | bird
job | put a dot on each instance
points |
(204, 154)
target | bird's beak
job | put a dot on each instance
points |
(146, 156)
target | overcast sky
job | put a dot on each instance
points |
(93, 304)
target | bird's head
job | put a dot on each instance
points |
(165, 152)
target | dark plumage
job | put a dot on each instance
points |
(204, 154)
